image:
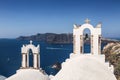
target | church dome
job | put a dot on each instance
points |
(29, 74)
(2, 77)
(84, 67)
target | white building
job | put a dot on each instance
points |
(26, 72)
(79, 66)
(82, 66)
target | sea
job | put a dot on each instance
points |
(10, 55)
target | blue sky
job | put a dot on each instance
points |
(29, 17)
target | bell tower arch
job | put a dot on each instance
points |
(95, 36)
(25, 50)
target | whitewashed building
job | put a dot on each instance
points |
(27, 72)
(86, 66)
(80, 65)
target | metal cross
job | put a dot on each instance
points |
(87, 21)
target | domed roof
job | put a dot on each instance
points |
(84, 67)
(2, 77)
(28, 74)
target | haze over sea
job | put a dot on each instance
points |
(10, 55)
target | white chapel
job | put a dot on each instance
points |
(86, 66)
(79, 66)
(26, 72)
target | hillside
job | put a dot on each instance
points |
(49, 38)
(54, 38)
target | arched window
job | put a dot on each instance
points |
(31, 58)
(86, 41)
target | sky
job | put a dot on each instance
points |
(29, 17)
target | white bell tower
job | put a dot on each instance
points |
(25, 56)
(78, 38)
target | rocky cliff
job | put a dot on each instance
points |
(56, 38)
(50, 38)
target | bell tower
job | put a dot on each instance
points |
(95, 38)
(25, 56)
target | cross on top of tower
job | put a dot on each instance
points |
(87, 21)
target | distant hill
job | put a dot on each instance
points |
(54, 38)
(49, 38)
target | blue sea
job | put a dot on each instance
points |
(10, 55)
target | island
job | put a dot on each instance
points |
(63, 38)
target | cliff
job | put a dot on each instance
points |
(57, 38)
(49, 38)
